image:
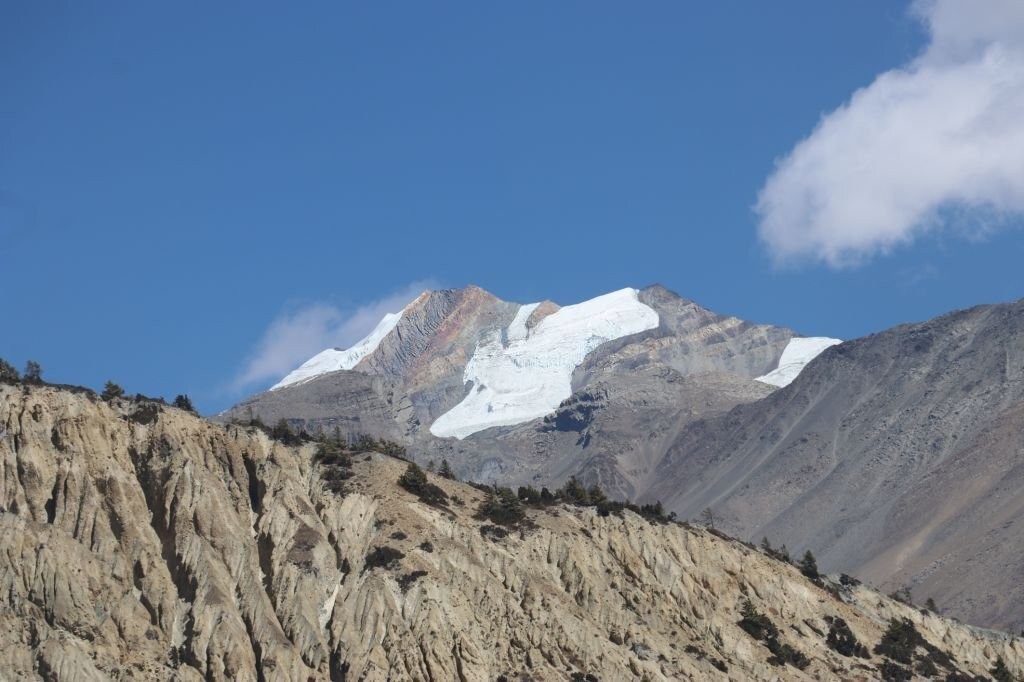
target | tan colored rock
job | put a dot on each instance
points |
(144, 543)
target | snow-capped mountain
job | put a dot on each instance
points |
(523, 370)
(514, 391)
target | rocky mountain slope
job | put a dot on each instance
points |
(898, 457)
(538, 392)
(141, 542)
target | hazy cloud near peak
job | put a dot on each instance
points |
(295, 336)
(939, 138)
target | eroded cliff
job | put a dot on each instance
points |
(139, 541)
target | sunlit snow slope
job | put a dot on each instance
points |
(518, 374)
(334, 359)
(799, 351)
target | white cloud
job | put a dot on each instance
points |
(295, 336)
(938, 143)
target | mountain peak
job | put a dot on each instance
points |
(479, 362)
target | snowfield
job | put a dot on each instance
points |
(333, 359)
(519, 374)
(799, 351)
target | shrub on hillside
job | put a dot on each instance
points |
(780, 553)
(111, 391)
(501, 506)
(760, 627)
(784, 654)
(33, 373)
(415, 481)
(527, 494)
(335, 464)
(8, 374)
(183, 402)
(755, 623)
(809, 567)
(573, 492)
(446, 470)
(842, 640)
(999, 671)
(893, 672)
(385, 447)
(406, 581)
(900, 640)
(382, 557)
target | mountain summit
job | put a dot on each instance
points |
(457, 371)
(517, 361)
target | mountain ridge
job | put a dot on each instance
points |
(879, 436)
(142, 542)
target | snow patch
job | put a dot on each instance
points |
(333, 359)
(519, 374)
(798, 352)
(517, 331)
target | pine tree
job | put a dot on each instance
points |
(501, 506)
(33, 373)
(282, 431)
(528, 494)
(111, 391)
(414, 479)
(809, 566)
(8, 375)
(446, 470)
(707, 517)
(755, 623)
(573, 492)
(183, 402)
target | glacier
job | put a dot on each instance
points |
(333, 359)
(798, 352)
(518, 374)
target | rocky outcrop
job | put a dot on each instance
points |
(140, 542)
(428, 350)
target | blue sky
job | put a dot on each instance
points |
(175, 178)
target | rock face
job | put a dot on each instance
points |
(140, 542)
(897, 457)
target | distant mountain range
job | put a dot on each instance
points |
(897, 457)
